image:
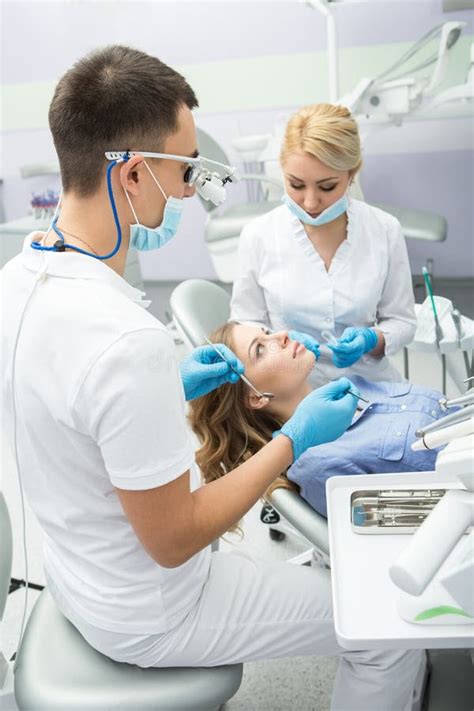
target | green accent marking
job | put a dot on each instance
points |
(441, 610)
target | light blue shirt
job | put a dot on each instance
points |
(378, 441)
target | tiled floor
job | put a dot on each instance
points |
(281, 685)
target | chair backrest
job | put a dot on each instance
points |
(6, 549)
(209, 148)
(199, 307)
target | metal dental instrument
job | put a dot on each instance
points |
(359, 408)
(392, 510)
(358, 397)
(269, 396)
(465, 414)
(438, 329)
(467, 399)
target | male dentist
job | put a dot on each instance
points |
(94, 407)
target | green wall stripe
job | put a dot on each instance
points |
(267, 82)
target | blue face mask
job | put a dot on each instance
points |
(328, 215)
(145, 238)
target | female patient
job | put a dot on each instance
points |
(233, 423)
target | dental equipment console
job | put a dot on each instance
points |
(398, 511)
(435, 572)
(419, 592)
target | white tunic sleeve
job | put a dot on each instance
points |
(248, 299)
(396, 308)
(131, 403)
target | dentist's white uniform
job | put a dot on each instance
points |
(100, 406)
(282, 283)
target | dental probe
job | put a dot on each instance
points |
(359, 408)
(269, 396)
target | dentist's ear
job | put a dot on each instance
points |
(130, 172)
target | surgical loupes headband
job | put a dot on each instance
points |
(209, 185)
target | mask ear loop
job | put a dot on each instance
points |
(131, 206)
(128, 196)
(155, 179)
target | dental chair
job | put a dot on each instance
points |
(223, 226)
(55, 667)
(198, 308)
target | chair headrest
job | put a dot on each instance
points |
(199, 307)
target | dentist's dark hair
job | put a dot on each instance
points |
(116, 98)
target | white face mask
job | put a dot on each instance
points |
(331, 213)
(145, 238)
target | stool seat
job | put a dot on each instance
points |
(57, 669)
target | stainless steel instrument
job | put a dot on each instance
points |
(392, 510)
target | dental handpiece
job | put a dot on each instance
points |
(431, 440)
(465, 413)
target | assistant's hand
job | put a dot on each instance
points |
(203, 371)
(322, 416)
(308, 341)
(352, 345)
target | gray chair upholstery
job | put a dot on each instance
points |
(227, 223)
(56, 669)
(417, 224)
(199, 307)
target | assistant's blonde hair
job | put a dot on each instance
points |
(327, 132)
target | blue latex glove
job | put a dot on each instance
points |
(352, 345)
(323, 416)
(203, 371)
(308, 341)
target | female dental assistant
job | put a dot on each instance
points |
(324, 262)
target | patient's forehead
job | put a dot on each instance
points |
(242, 337)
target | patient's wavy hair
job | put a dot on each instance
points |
(229, 430)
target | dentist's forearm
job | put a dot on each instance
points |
(219, 505)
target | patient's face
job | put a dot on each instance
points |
(273, 362)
